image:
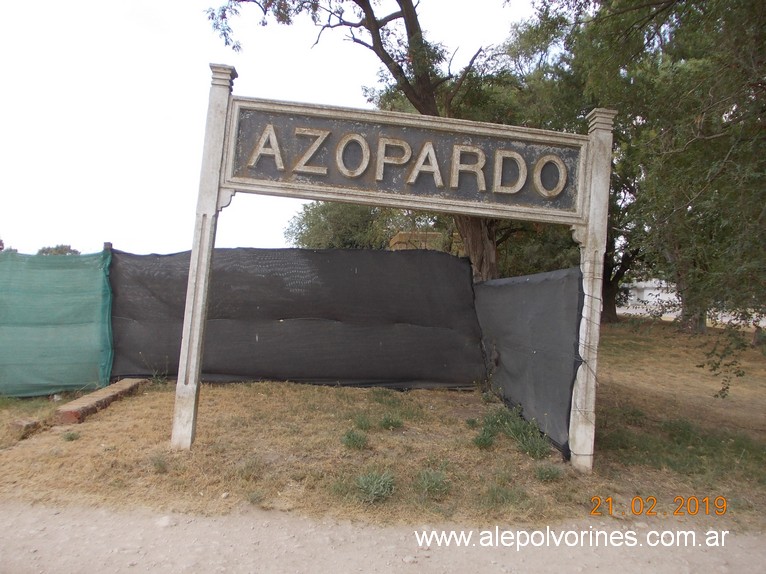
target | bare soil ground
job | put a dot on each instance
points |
(270, 486)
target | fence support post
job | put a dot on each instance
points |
(592, 240)
(208, 206)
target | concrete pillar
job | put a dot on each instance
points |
(193, 335)
(592, 240)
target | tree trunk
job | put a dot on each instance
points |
(693, 320)
(609, 291)
(478, 234)
(693, 316)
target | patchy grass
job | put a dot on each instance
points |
(660, 432)
(432, 484)
(362, 421)
(390, 422)
(69, 436)
(548, 473)
(375, 486)
(354, 439)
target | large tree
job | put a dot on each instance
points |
(331, 225)
(687, 78)
(416, 68)
(690, 77)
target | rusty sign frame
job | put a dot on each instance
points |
(580, 201)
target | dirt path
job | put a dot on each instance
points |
(70, 540)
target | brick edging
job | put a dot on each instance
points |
(78, 410)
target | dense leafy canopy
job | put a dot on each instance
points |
(688, 78)
(58, 250)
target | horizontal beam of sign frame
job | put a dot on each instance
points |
(406, 161)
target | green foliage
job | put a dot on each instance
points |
(687, 177)
(390, 422)
(362, 421)
(722, 358)
(432, 484)
(528, 248)
(679, 445)
(510, 422)
(324, 225)
(70, 436)
(58, 250)
(375, 486)
(354, 439)
(329, 225)
(703, 158)
(686, 202)
(485, 439)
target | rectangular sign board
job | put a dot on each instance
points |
(404, 160)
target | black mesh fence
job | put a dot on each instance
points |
(402, 319)
(531, 336)
(348, 317)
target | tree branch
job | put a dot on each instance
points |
(458, 84)
(373, 26)
(507, 234)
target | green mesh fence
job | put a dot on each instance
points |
(55, 323)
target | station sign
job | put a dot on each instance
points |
(403, 160)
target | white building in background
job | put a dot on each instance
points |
(658, 298)
(650, 297)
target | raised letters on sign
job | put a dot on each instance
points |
(287, 151)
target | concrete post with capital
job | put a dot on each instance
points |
(208, 206)
(592, 239)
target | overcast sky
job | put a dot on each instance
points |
(103, 108)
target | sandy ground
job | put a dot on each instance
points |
(40, 539)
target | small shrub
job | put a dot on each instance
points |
(498, 419)
(485, 439)
(375, 486)
(531, 440)
(432, 484)
(534, 443)
(354, 439)
(390, 422)
(362, 421)
(70, 436)
(472, 423)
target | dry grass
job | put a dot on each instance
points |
(281, 446)
(651, 366)
(13, 412)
